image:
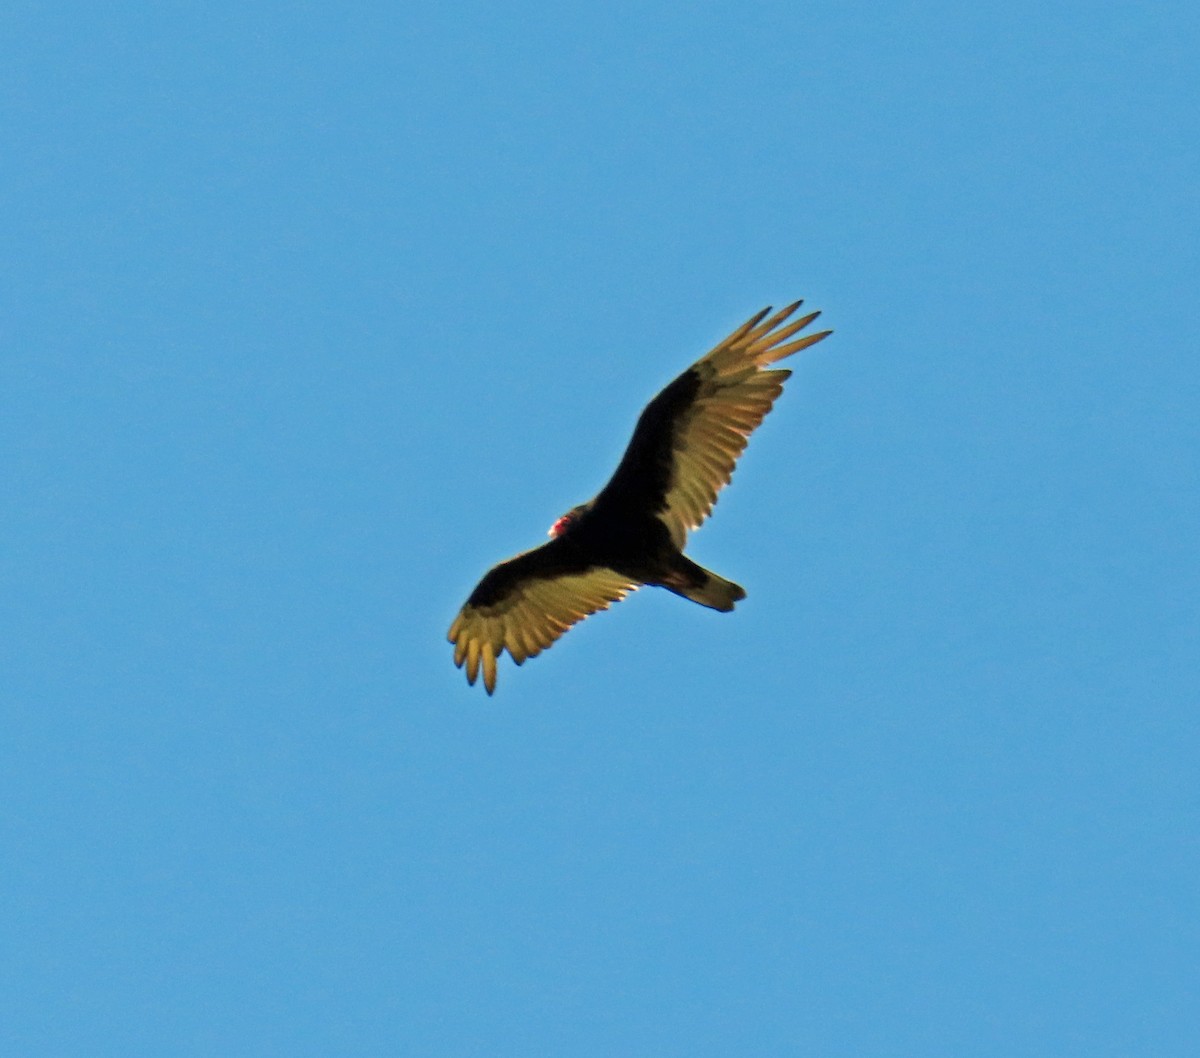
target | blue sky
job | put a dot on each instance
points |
(309, 315)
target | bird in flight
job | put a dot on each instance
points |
(633, 531)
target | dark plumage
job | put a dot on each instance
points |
(682, 454)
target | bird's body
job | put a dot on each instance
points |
(632, 533)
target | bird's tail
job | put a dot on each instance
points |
(694, 582)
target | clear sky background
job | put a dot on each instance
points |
(311, 313)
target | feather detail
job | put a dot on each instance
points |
(528, 611)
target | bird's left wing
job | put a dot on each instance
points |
(525, 604)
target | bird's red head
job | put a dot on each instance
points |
(567, 520)
(559, 526)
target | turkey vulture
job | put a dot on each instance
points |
(633, 532)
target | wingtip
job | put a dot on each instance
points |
(748, 326)
(489, 667)
(763, 329)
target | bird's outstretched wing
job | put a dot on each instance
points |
(688, 439)
(523, 605)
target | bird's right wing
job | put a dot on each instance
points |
(689, 438)
(525, 604)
